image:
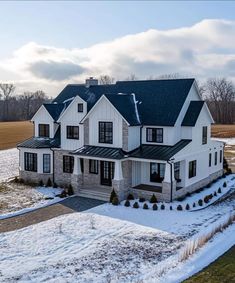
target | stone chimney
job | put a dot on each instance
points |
(91, 81)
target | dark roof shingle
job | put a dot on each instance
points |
(192, 113)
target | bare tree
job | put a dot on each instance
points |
(132, 77)
(170, 76)
(106, 80)
(6, 91)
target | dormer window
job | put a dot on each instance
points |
(43, 130)
(80, 107)
(154, 135)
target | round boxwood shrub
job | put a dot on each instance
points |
(41, 183)
(179, 207)
(112, 196)
(162, 207)
(194, 204)
(208, 185)
(136, 205)
(155, 206)
(130, 197)
(171, 208)
(200, 202)
(55, 185)
(188, 194)
(127, 203)
(187, 207)
(153, 199)
(219, 190)
(141, 199)
(49, 183)
(70, 190)
(224, 184)
(145, 206)
(215, 194)
(63, 194)
(115, 201)
(206, 199)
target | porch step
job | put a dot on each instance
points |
(94, 194)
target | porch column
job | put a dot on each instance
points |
(118, 171)
(167, 187)
(77, 166)
(76, 177)
(167, 176)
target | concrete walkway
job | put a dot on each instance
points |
(69, 205)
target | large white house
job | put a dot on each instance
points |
(142, 137)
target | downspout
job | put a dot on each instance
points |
(168, 161)
(53, 166)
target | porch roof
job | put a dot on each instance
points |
(100, 152)
(159, 152)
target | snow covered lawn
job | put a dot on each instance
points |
(9, 164)
(17, 198)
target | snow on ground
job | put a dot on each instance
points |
(9, 164)
(18, 198)
(228, 141)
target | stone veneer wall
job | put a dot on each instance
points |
(124, 136)
(34, 177)
(61, 178)
(89, 178)
(86, 131)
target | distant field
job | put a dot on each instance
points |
(11, 133)
(223, 131)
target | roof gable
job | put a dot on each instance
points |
(54, 109)
(192, 113)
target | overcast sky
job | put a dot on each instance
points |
(45, 45)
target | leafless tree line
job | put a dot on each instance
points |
(15, 107)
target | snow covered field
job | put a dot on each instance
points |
(9, 164)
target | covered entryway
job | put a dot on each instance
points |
(106, 173)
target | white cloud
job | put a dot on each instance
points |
(203, 50)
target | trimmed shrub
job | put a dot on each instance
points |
(162, 207)
(200, 202)
(141, 199)
(224, 176)
(112, 195)
(155, 206)
(215, 194)
(219, 190)
(41, 183)
(198, 191)
(225, 184)
(153, 199)
(70, 190)
(171, 208)
(136, 205)
(229, 171)
(210, 196)
(179, 207)
(145, 206)
(127, 203)
(206, 199)
(188, 194)
(208, 185)
(130, 197)
(187, 207)
(194, 204)
(115, 201)
(49, 183)
(63, 194)
(181, 198)
(55, 185)
(21, 181)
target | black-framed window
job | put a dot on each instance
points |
(73, 132)
(192, 169)
(46, 163)
(43, 130)
(157, 172)
(216, 158)
(106, 132)
(80, 107)
(30, 161)
(177, 171)
(204, 135)
(210, 159)
(93, 166)
(82, 164)
(68, 164)
(221, 156)
(154, 135)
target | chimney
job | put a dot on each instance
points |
(91, 81)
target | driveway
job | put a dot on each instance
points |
(68, 205)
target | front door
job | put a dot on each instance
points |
(106, 173)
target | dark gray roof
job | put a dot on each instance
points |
(126, 105)
(36, 142)
(192, 113)
(158, 101)
(159, 152)
(54, 109)
(101, 152)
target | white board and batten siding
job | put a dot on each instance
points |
(133, 137)
(72, 117)
(43, 117)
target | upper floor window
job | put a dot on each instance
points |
(46, 163)
(157, 172)
(73, 132)
(177, 171)
(106, 132)
(192, 168)
(68, 163)
(204, 135)
(80, 107)
(43, 130)
(215, 158)
(30, 161)
(154, 135)
(93, 166)
(209, 159)
(220, 156)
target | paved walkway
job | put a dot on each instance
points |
(69, 205)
